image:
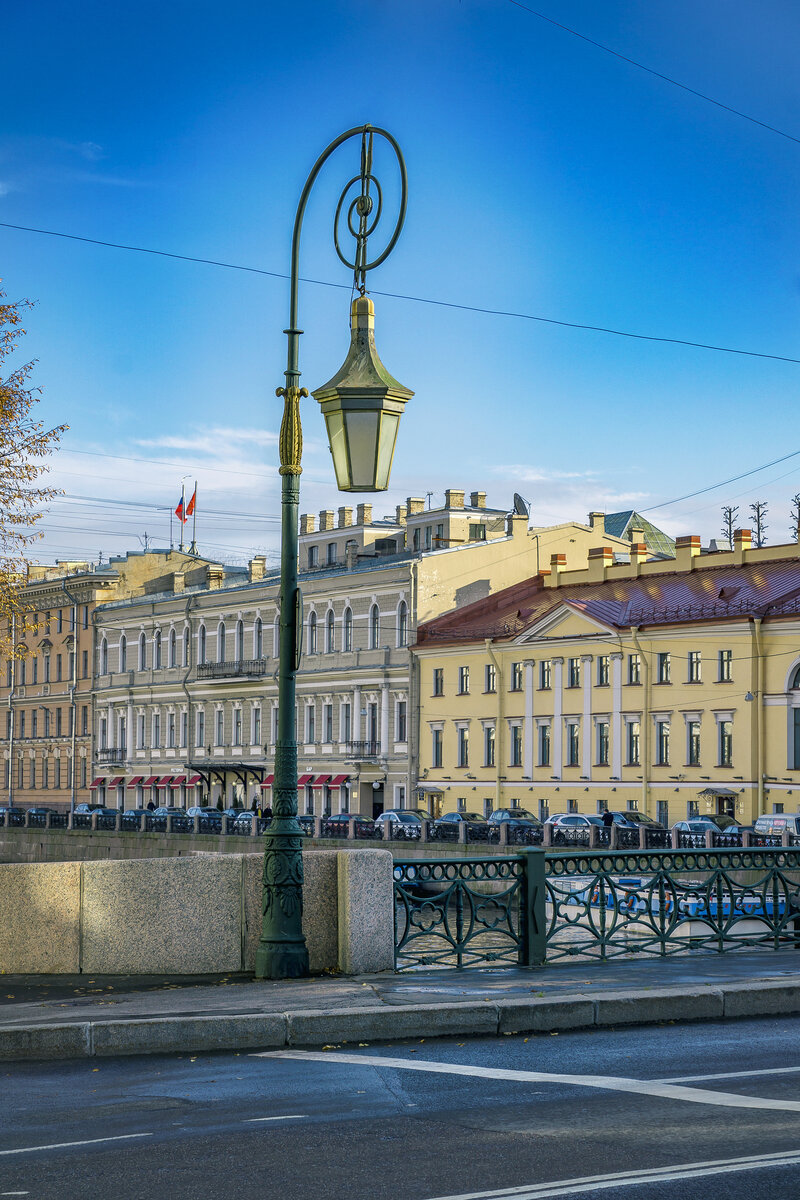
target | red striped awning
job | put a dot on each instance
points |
(151, 779)
(96, 782)
(178, 781)
(302, 780)
(165, 780)
(338, 780)
(116, 780)
(193, 780)
(320, 781)
(268, 781)
(136, 779)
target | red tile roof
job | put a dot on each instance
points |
(767, 588)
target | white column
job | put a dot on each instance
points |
(527, 732)
(586, 740)
(616, 716)
(558, 704)
(385, 719)
(356, 722)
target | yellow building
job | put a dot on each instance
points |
(668, 686)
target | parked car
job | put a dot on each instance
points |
(169, 810)
(41, 810)
(711, 824)
(404, 825)
(571, 827)
(344, 818)
(85, 807)
(776, 823)
(516, 817)
(478, 828)
(631, 818)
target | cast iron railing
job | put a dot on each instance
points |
(368, 749)
(232, 670)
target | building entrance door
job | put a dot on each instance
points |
(726, 806)
(377, 801)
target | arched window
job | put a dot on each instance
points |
(221, 642)
(201, 644)
(186, 636)
(258, 639)
(142, 652)
(173, 648)
(347, 630)
(330, 636)
(239, 643)
(795, 679)
(276, 636)
(312, 633)
(123, 653)
(157, 650)
(104, 657)
(374, 627)
(402, 624)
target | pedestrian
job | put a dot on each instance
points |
(608, 821)
(219, 803)
(267, 812)
(254, 805)
(150, 805)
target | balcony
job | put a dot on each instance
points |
(363, 749)
(112, 754)
(243, 667)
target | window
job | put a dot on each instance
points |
(34, 724)
(463, 680)
(516, 677)
(35, 670)
(662, 743)
(276, 635)
(171, 730)
(327, 722)
(374, 627)
(693, 743)
(221, 642)
(663, 669)
(200, 729)
(186, 636)
(123, 653)
(58, 723)
(347, 631)
(477, 533)
(463, 747)
(402, 624)
(725, 666)
(258, 639)
(157, 650)
(415, 540)
(402, 721)
(255, 726)
(84, 721)
(602, 670)
(312, 633)
(544, 675)
(544, 745)
(46, 771)
(239, 641)
(331, 555)
(311, 715)
(142, 652)
(84, 665)
(633, 735)
(439, 534)
(573, 744)
(490, 678)
(573, 672)
(516, 745)
(46, 668)
(602, 743)
(634, 668)
(345, 723)
(71, 664)
(726, 743)
(172, 653)
(59, 621)
(275, 723)
(156, 742)
(695, 666)
(57, 768)
(330, 634)
(140, 732)
(237, 727)
(201, 644)
(313, 557)
(85, 616)
(428, 536)
(438, 681)
(104, 657)
(488, 746)
(219, 732)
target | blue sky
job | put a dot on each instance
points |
(545, 177)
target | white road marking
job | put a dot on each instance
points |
(601, 1183)
(122, 1137)
(287, 1117)
(732, 1075)
(611, 1083)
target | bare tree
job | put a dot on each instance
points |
(794, 516)
(760, 527)
(730, 513)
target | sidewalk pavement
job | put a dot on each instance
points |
(59, 1017)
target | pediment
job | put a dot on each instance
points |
(564, 621)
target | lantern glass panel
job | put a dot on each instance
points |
(362, 440)
(388, 437)
(338, 444)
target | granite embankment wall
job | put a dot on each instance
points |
(193, 914)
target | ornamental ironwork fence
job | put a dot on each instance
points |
(548, 906)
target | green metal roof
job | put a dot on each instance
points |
(620, 525)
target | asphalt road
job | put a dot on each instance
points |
(677, 1111)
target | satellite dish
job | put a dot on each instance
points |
(522, 507)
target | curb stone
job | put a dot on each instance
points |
(316, 1027)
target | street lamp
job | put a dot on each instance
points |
(362, 406)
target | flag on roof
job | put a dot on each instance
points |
(179, 511)
(190, 505)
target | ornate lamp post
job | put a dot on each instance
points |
(362, 406)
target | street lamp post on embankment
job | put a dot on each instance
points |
(362, 405)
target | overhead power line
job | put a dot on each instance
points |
(658, 74)
(723, 483)
(490, 312)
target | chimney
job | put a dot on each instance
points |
(400, 514)
(415, 504)
(350, 555)
(597, 521)
(477, 499)
(600, 557)
(558, 563)
(516, 523)
(638, 554)
(178, 581)
(686, 548)
(307, 522)
(214, 576)
(742, 541)
(637, 535)
(364, 514)
(257, 567)
(453, 498)
(326, 520)
(345, 518)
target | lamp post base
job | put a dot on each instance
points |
(281, 960)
